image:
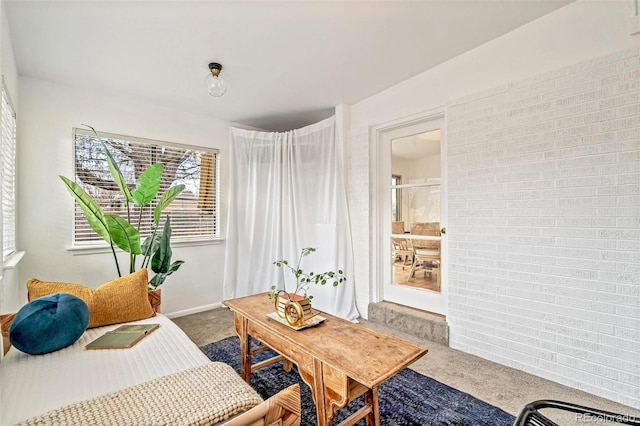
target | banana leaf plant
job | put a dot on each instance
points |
(161, 260)
(118, 231)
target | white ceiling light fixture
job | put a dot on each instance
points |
(216, 85)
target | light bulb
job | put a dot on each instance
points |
(216, 86)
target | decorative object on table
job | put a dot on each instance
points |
(311, 321)
(118, 231)
(295, 306)
(49, 323)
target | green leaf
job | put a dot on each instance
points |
(165, 200)
(174, 267)
(92, 211)
(123, 234)
(92, 129)
(156, 281)
(307, 251)
(116, 173)
(161, 259)
(151, 244)
(159, 278)
(147, 185)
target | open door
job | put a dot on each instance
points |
(411, 216)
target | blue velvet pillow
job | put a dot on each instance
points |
(49, 323)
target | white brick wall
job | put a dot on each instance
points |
(544, 225)
(359, 211)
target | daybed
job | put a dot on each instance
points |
(32, 385)
(163, 379)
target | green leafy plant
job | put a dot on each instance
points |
(118, 231)
(304, 279)
(161, 260)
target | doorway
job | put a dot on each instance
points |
(411, 219)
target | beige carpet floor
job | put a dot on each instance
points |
(496, 384)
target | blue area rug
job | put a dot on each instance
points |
(407, 399)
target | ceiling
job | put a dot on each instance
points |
(416, 147)
(286, 64)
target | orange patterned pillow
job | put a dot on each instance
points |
(121, 300)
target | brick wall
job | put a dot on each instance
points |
(359, 212)
(544, 225)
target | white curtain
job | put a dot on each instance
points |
(286, 193)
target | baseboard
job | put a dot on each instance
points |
(195, 310)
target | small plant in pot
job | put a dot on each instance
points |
(295, 306)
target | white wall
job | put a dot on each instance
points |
(10, 277)
(47, 114)
(543, 218)
(7, 59)
(581, 31)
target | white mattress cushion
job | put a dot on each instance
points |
(34, 384)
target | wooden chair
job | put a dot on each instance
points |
(426, 253)
(282, 409)
(400, 247)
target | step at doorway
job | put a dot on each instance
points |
(423, 324)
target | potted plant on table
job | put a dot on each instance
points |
(118, 231)
(295, 306)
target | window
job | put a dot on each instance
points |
(8, 142)
(194, 214)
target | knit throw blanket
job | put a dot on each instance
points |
(202, 395)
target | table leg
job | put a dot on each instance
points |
(371, 399)
(317, 389)
(245, 349)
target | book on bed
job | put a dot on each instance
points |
(122, 337)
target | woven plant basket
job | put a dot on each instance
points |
(155, 298)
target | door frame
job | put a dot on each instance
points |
(380, 219)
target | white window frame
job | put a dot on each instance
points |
(8, 177)
(99, 245)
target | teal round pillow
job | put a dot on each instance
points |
(49, 323)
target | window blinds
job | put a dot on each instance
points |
(194, 213)
(8, 141)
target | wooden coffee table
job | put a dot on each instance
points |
(338, 359)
